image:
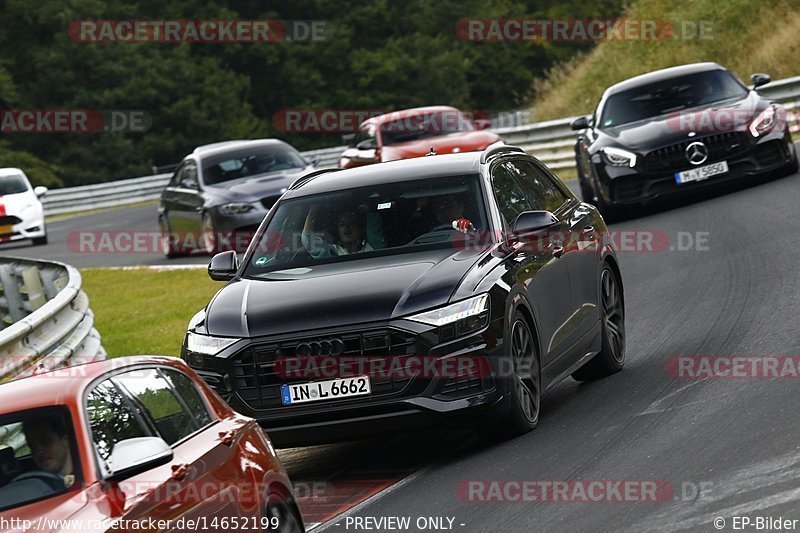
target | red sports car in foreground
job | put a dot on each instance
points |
(133, 444)
(413, 133)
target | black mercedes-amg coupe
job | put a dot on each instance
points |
(445, 288)
(674, 130)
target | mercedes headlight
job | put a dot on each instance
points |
(619, 158)
(206, 344)
(236, 208)
(763, 122)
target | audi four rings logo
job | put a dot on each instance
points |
(332, 346)
(696, 153)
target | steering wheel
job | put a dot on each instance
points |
(54, 481)
(300, 254)
(442, 228)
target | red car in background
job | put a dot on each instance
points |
(140, 442)
(413, 133)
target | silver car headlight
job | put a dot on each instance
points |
(236, 208)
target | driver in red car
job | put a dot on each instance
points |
(49, 443)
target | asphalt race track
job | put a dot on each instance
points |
(722, 447)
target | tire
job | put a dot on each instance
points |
(610, 212)
(286, 515)
(792, 167)
(40, 241)
(522, 415)
(611, 357)
(586, 191)
(168, 246)
(210, 242)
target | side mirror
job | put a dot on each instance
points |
(190, 184)
(223, 266)
(482, 123)
(39, 191)
(367, 144)
(137, 455)
(760, 79)
(314, 161)
(580, 123)
(529, 221)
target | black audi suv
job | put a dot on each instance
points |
(450, 288)
(675, 130)
(221, 192)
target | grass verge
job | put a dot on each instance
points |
(145, 311)
(66, 216)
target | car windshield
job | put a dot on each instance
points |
(669, 96)
(12, 184)
(38, 456)
(249, 162)
(382, 219)
(424, 125)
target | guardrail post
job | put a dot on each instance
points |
(32, 286)
(16, 308)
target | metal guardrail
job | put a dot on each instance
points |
(550, 141)
(45, 320)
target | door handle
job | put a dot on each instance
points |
(179, 472)
(558, 251)
(588, 230)
(227, 437)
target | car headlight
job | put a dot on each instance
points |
(237, 208)
(763, 122)
(207, 345)
(619, 158)
(459, 318)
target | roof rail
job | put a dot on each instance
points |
(498, 150)
(305, 178)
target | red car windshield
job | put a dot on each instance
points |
(425, 125)
(38, 456)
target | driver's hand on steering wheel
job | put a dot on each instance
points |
(463, 225)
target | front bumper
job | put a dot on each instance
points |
(248, 376)
(13, 228)
(654, 176)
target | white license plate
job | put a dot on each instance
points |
(325, 390)
(701, 173)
